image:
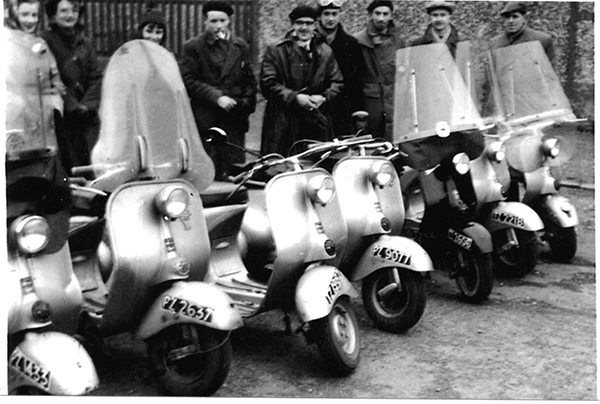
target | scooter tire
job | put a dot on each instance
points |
(396, 311)
(517, 261)
(197, 374)
(476, 280)
(563, 243)
(337, 337)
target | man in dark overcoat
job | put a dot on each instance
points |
(348, 55)
(300, 79)
(379, 41)
(217, 73)
(516, 30)
(440, 29)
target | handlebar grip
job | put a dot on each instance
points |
(80, 170)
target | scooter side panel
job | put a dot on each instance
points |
(52, 362)
(190, 302)
(512, 215)
(318, 289)
(550, 208)
(392, 251)
(143, 245)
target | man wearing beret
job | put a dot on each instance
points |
(217, 73)
(300, 79)
(350, 60)
(440, 29)
(516, 30)
(379, 41)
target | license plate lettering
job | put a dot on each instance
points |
(334, 287)
(457, 238)
(508, 219)
(177, 305)
(29, 368)
(391, 254)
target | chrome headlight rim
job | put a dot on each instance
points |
(382, 173)
(551, 147)
(172, 201)
(31, 234)
(496, 152)
(321, 189)
(462, 163)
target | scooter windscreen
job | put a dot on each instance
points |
(147, 125)
(529, 89)
(434, 115)
(29, 109)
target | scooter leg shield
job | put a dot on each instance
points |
(513, 215)
(51, 362)
(190, 302)
(558, 210)
(317, 290)
(480, 235)
(392, 251)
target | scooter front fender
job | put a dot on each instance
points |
(52, 362)
(190, 302)
(558, 210)
(480, 235)
(318, 288)
(391, 251)
(515, 215)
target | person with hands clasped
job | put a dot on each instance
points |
(299, 78)
(217, 73)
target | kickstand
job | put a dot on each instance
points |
(288, 323)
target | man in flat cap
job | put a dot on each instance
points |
(217, 73)
(516, 30)
(379, 41)
(300, 79)
(350, 60)
(440, 29)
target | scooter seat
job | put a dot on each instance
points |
(221, 193)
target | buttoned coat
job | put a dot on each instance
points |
(206, 82)
(379, 80)
(287, 72)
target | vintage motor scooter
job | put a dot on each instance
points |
(291, 229)
(141, 249)
(527, 98)
(43, 297)
(391, 267)
(438, 128)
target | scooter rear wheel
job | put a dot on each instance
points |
(394, 308)
(190, 360)
(518, 260)
(475, 278)
(337, 337)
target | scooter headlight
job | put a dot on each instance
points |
(382, 173)
(172, 201)
(497, 152)
(551, 147)
(462, 164)
(31, 234)
(322, 189)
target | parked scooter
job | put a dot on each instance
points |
(391, 267)
(525, 96)
(513, 225)
(139, 235)
(44, 300)
(438, 128)
(292, 229)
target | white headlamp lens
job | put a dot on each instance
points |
(31, 233)
(322, 189)
(172, 201)
(382, 173)
(462, 164)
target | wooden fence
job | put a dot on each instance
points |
(113, 22)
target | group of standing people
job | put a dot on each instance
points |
(313, 79)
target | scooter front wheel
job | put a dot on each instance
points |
(475, 276)
(337, 337)
(562, 242)
(190, 360)
(394, 298)
(515, 259)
